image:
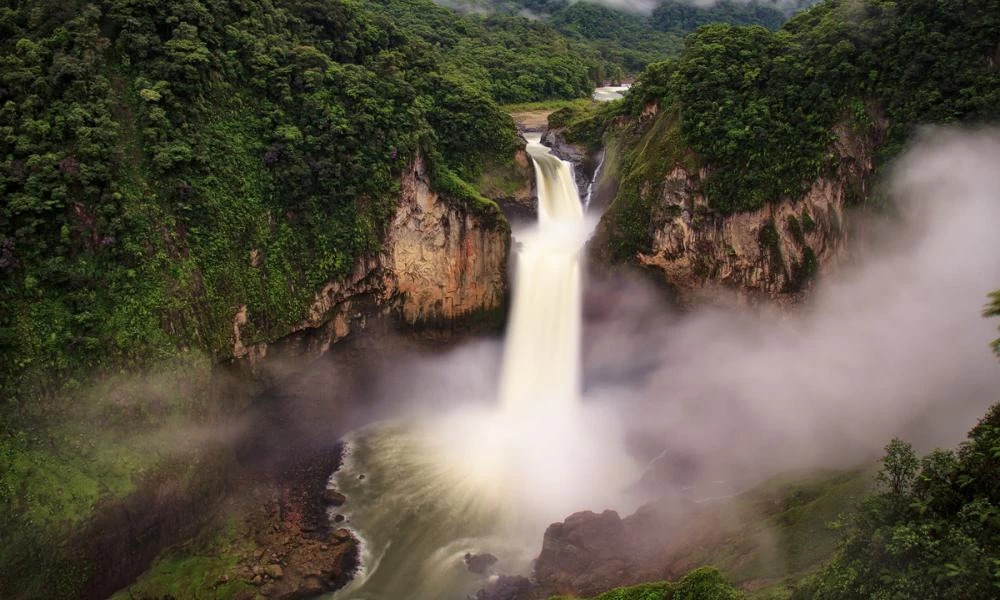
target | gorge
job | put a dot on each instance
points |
(382, 301)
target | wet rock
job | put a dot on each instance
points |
(333, 497)
(588, 553)
(274, 571)
(342, 535)
(506, 587)
(479, 563)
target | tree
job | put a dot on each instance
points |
(993, 310)
(899, 468)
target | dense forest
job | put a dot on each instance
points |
(164, 163)
(626, 41)
(757, 108)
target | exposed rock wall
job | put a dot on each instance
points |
(440, 261)
(772, 252)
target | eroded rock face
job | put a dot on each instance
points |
(440, 261)
(772, 252)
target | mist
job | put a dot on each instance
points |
(894, 345)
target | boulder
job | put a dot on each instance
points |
(479, 563)
(333, 497)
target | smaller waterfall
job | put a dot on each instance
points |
(541, 367)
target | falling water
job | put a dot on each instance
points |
(541, 367)
(421, 494)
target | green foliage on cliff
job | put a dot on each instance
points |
(758, 106)
(204, 568)
(931, 531)
(647, 155)
(704, 583)
(163, 164)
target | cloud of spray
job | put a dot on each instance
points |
(894, 345)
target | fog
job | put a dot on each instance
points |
(891, 344)
(894, 345)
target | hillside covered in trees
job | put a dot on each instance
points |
(756, 108)
(163, 164)
(625, 41)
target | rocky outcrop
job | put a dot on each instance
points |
(440, 261)
(773, 252)
(444, 262)
(585, 162)
(508, 587)
(586, 554)
(755, 537)
(513, 188)
(479, 563)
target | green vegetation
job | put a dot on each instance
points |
(545, 105)
(511, 59)
(619, 42)
(646, 156)
(705, 583)
(993, 310)
(930, 531)
(684, 17)
(163, 164)
(147, 149)
(758, 106)
(779, 532)
(199, 569)
(770, 241)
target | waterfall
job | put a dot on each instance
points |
(541, 364)
(487, 478)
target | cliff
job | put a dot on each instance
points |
(440, 261)
(660, 218)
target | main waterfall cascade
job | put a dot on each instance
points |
(541, 368)
(422, 494)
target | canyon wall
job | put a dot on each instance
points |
(773, 252)
(441, 261)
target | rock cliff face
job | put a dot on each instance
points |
(773, 252)
(440, 261)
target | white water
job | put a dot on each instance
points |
(475, 480)
(609, 93)
(541, 368)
